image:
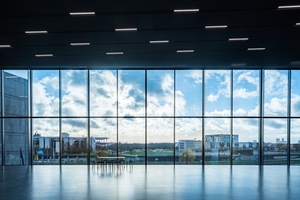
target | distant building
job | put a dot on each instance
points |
(194, 145)
(219, 141)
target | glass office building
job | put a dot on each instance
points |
(172, 117)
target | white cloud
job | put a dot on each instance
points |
(196, 75)
(276, 107)
(213, 98)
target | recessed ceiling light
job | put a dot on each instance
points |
(5, 46)
(238, 64)
(186, 10)
(44, 55)
(36, 32)
(212, 27)
(185, 51)
(158, 41)
(238, 39)
(114, 53)
(126, 29)
(256, 49)
(289, 7)
(81, 13)
(80, 44)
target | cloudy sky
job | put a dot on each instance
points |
(124, 93)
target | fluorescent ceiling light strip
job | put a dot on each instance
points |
(289, 7)
(44, 55)
(5, 46)
(295, 63)
(220, 26)
(238, 64)
(36, 32)
(297, 24)
(185, 51)
(11, 76)
(238, 39)
(81, 13)
(158, 41)
(256, 49)
(80, 44)
(114, 53)
(186, 10)
(126, 29)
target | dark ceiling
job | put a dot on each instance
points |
(261, 22)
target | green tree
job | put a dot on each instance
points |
(187, 156)
(102, 153)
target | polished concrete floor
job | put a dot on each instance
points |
(152, 182)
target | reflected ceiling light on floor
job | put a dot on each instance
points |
(256, 49)
(289, 7)
(213, 27)
(185, 51)
(238, 39)
(114, 53)
(185, 10)
(5, 46)
(80, 44)
(44, 55)
(36, 32)
(81, 13)
(158, 41)
(126, 29)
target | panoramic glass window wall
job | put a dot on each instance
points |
(182, 117)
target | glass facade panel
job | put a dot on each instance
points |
(217, 92)
(74, 141)
(160, 141)
(16, 141)
(188, 94)
(275, 92)
(245, 141)
(45, 141)
(103, 136)
(132, 140)
(45, 93)
(74, 92)
(160, 93)
(103, 93)
(295, 142)
(246, 92)
(217, 141)
(188, 141)
(275, 141)
(295, 93)
(149, 116)
(131, 93)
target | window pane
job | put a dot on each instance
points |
(275, 92)
(45, 141)
(275, 141)
(160, 93)
(188, 141)
(217, 92)
(45, 92)
(103, 93)
(132, 140)
(74, 138)
(103, 133)
(74, 92)
(15, 93)
(245, 92)
(246, 146)
(16, 141)
(160, 141)
(295, 93)
(131, 93)
(295, 142)
(1, 162)
(188, 93)
(217, 141)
